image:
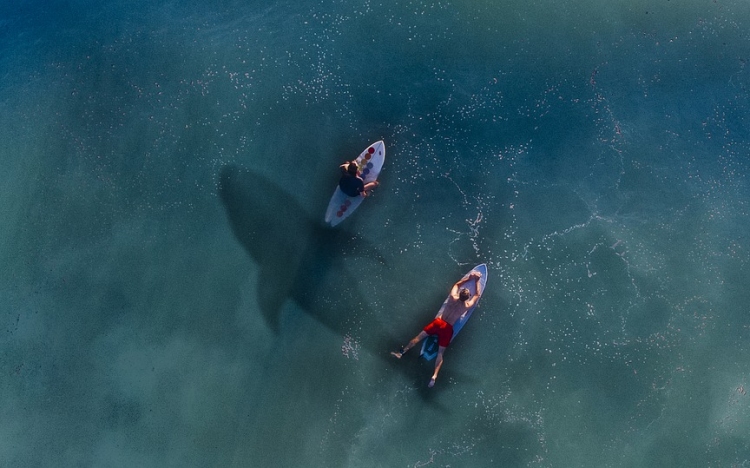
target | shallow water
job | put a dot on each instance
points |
(169, 297)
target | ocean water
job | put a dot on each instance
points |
(169, 296)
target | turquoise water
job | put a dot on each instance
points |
(169, 297)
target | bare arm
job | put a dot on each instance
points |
(459, 283)
(478, 284)
(454, 290)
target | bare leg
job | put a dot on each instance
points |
(438, 365)
(422, 335)
(370, 186)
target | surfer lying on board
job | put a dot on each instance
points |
(351, 183)
(459, 302)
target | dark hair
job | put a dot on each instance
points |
(464, 294)
(352, 168)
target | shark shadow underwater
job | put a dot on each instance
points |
(299, 259)
(303, 260)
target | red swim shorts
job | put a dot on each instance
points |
(442, 329)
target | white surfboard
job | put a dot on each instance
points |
(430, 345)
(369, 163)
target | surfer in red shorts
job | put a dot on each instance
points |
(459, 302)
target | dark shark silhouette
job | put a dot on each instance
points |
(297, 255)
(304, 260)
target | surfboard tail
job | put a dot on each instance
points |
(429, 348)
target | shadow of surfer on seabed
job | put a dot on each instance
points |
(459, 302)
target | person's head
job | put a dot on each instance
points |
(352, 168)
(464, 294)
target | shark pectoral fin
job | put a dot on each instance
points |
(271, 302)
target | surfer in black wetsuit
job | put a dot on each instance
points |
(351, 183)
